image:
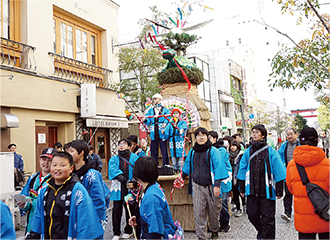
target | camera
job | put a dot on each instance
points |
(132, 183)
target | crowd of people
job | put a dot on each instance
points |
(68, 198)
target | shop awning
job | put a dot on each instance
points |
(9, 121)
(107, 122)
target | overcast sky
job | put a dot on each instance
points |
(232, 19)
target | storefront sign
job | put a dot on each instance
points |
(106, 123)
(88, 100)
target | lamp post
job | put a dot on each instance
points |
(240, 93)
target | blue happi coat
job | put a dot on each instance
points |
(155, 213)
(99, 192)
(226, 184)
(277, 169)
(282, 152)
(161, 120)
(217, 167)
(176, 140)
(84, 222)
(36, 185)
(7, 230)
(114, 171)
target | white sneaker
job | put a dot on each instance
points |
(286, 217)
(126, 235)
(116, 237)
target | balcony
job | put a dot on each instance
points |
(80, 72)
(17, 55)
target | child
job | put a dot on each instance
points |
(156, 217)
(121, 170)
(176, 139)
(90, 178)
(34, 185)
(64, 209)
(7, 230)
(235, 155)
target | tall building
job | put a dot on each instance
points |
(58, 68)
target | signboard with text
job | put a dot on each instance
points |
(88, 100)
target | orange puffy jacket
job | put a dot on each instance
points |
(318, 169)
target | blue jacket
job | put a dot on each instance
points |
(155, 213)
(18, 161)
(277, 169)
(99, 193)
(170, 133)
(114, 171)
(226, 184)
(161, 121)
(84, 222)
(218, 168)
(282, 152)
(7, 227)
(30, 207)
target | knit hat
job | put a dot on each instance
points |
(176, 110)
(48, 152)
(157, 95)
(308, 133)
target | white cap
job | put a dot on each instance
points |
(157, 95)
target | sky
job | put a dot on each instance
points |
(231, 20)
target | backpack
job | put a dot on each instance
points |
(317, 195)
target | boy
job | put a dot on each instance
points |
(34, 185)
(156, 217)
(176, 139)
(64, 206)
(121, 170)
(135, 148)
(90, 178)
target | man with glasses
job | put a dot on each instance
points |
(120, 171)
(286, 154)
(261, 174)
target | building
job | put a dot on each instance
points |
(58, 68)
(309, 114)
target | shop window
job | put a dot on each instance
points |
(74, 39)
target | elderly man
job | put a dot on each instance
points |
(286, 154)
(157, 125)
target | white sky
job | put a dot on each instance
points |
(228, 24)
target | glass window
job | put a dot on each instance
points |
(54, 35)
(206, 71)
(75, 39)
(225, 109)
(207, 90)
(5, 18)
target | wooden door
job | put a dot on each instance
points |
(101, 143)
(42, 141)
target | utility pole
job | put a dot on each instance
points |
(240, 92)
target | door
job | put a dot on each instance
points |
(101, 148)
(42, 141)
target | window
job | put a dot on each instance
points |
(76, 40)
(225, 109)
(10, 19)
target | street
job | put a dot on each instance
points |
(241, 228)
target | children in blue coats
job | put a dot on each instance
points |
(156, 217)
(64, 208)
(176, 139)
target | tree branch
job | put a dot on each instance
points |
(318, 15)
(307, 53)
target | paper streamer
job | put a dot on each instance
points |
(190, 9)
(209, 8)
(154, 29)
(121, 96)
(180, 13)
(161, 46)
(183, 23)
(151, 38)
(145, 38)
(164, 22)
(178, 23)
(172, 21)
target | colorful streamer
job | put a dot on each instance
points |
(151, 38)
(154, 29)
(209, 7)
(145, 38)
(142, 44)
(161, 46)
(178, 23)
(183, 23)
(190, 9)
(180, 13)
(172, 21)
(164, 22)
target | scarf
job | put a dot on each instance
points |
(202, 148)
(124, 153)
(233, 155)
